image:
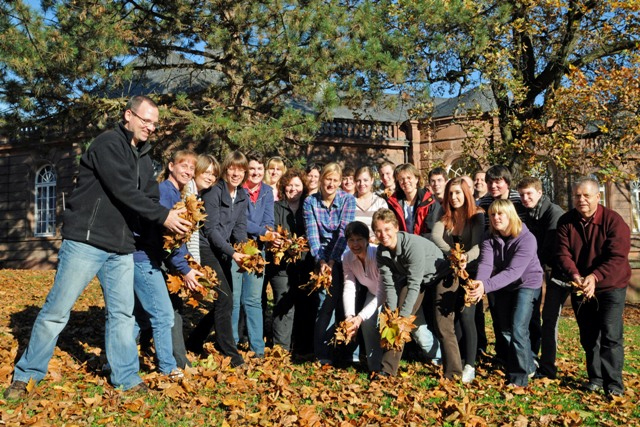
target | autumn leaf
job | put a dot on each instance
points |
(194, 214)
(284, 245)
(255, 262)
(395, 330)
(341, 335)
(319, 281)
(208, 282)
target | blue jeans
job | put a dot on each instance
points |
(78, 264)
(513, 309)
(152, 293)
(247, 291)
(601, 335)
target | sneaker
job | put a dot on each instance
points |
(468, 374)
(17, 390)
(175, 375)
(613, 393)
(590, 386)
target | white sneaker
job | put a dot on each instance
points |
(468, 374)
(175, 375)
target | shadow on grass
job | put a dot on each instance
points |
(85, 328)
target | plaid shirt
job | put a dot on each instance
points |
(325, 225)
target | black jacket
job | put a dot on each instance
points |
(115, 188)
(542, 221)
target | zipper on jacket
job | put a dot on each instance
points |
(94, 214)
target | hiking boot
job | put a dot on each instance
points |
(17, 390)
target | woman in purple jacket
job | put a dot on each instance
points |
(509, 267)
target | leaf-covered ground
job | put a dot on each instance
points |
(276, 391)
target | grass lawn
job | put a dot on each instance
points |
(275, 391)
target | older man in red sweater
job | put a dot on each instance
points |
(593, 246)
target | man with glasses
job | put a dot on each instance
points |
(592, 249)
(114, 191)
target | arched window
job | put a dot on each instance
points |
(45, 202)
(462, 166)
(635, 206)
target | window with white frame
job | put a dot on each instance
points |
(45, 202)
(635, 205)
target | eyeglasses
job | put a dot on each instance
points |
(146, 122)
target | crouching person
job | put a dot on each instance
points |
(413, 259)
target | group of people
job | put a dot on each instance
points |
(381, 246)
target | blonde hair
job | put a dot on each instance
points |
(385, 215)
(177, 157)
(506, 207)
(330, 168)
(274, 161)
(204, 161)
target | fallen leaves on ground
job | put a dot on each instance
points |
(281, 391)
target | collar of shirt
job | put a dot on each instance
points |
(253, 194)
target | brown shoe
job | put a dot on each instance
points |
(17, 390)
(141, 387)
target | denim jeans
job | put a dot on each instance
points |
(153, 296)
(513, 309)
(601, 335)
(554, 298)
(327, 317)
(247, 292)
(78, 264)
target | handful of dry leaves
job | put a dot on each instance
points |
(318, 281)
(290, 247)
(208, 282)
(578, 288)
(341, 335)
(395, 331)
(194, 214)
(255, 262)
(458, 265)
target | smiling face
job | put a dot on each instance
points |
(386, 233)
(234, 176)
(499, 222)
(498, 188)
(180, 173)
(364, 182)
(530, 197)
(313, 180)
(437, 183)
(275, 173)
(205, 180)
(408, 182)
(586, 198)
(256, 173)
(141, 122)
(330, 185)
(348, 184)
(357, 245)
(293, 190)
(479, 184)
(456, 197)
(386, 176)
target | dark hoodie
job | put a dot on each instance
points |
(115, 188)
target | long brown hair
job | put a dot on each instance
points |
(468, 208)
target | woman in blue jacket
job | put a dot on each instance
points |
(226, 223)
(509, 266)
(247, 287)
